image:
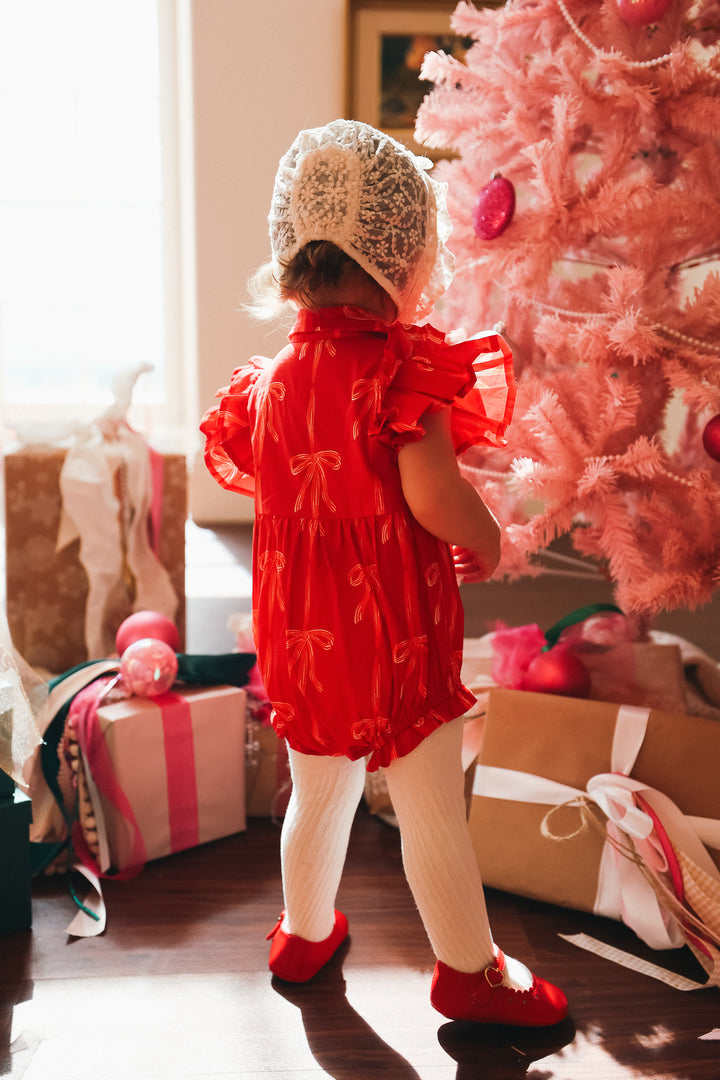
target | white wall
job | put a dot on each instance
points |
(262, 70)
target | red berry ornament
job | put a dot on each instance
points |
(147, 624)
(711, 438)
(558, 671)
(494, 208)
(642, 12)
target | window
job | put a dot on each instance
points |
(89, 275)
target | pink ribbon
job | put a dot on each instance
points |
(83, 716)
(180, 768)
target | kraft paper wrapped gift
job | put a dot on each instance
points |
(267, 772)
(47, 587)
(179, 760)
(607, 764)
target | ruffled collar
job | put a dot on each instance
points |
(336, 322)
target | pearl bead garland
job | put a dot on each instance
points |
(602, 52)
(606, 316)
(697, 343)
(609, 458)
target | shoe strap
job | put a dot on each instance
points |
(276, 927)
(494, 973)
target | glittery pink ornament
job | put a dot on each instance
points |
(494, 208)
(147, 624)
(711, 438)
(148, 667)
(642, 12)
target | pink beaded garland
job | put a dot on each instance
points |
(711, 438)
(558, 672)
(494, 208)
(148, 667)
(147, 624)
(642, 12)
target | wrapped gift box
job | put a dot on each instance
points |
(47, 589)
(533, 738)
(267, 772)
(15, 898)
(179, 761)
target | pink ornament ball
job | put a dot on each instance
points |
(148, 667)
(494, 208)
(558, 672)
(147, 624)
(642, 12)
(711, 438)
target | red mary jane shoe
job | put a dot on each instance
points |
(483, 997)
(295, 959)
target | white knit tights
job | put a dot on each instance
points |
(427, 792)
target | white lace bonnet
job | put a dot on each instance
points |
(367, 193)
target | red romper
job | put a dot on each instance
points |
(357, 612)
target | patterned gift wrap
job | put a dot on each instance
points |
(47, 589)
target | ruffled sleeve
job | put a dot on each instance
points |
(228, 433)
(426, 373)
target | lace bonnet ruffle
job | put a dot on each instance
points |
(367, 193)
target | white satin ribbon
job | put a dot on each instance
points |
(623, 892)
(92, 511)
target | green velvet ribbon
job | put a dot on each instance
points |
(552, 636)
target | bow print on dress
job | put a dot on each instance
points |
(265, 419)
(370, 393)
(301, 645)
(283, 714)
(313, 467)
(372, 732)
(316, 350)
(413, 652)
(432, 578)
(272, 564)
(369, 577)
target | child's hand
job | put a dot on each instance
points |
(469, 566)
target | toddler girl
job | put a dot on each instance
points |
(348, 442)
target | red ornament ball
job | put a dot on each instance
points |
(147, 624)
(148, 667)
(711, 438)
(642, 12)
(494, 208)
(558, 672)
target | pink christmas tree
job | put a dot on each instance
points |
(597, 247)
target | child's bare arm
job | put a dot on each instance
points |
(446, 504)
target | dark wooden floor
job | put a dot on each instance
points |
(178, 987)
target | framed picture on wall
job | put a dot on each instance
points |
(386, 43)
